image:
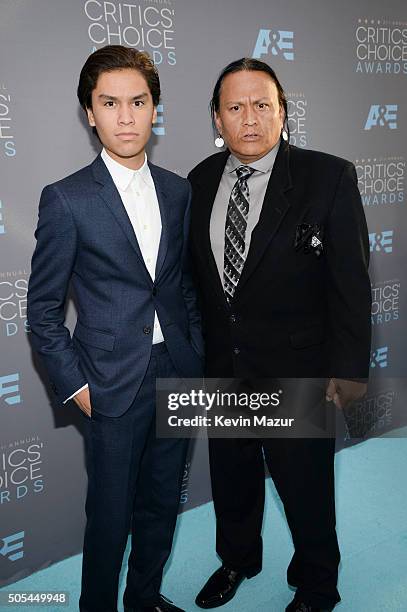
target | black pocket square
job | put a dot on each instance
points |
(308, 237)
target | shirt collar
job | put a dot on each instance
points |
(264, 164)
(123, 176)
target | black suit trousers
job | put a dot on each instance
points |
(134, 483)
(303, 473)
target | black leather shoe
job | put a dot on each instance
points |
(220, 588)
(164, 605)
(299, 606)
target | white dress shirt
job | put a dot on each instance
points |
(137, 191)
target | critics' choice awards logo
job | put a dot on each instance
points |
(381, 47)
(276, 43)
(382, 116)
(297, 106)
(379, 357)
(158, 126)
(12, 546)
(145, 26)
(381, 242)
(385, 302)
(10, 389)
(7, 141)
(13, 302)
(372, 413)
(381, 180)
(21, 469)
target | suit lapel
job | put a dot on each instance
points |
(112, 199)
(274, 209)
(205, 198)
(162, 197)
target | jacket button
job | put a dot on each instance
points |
(233, 318)
(236, 350)
(154, 292)
(147, 330)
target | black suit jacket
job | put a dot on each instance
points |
(293, 313)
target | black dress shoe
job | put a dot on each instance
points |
(220, 588)
(299, 606)
(164, 605)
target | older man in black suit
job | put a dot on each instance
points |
(280, 248)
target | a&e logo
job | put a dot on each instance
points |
(281, 42)
(381, 242)
(384, 115)
(158, 127)
(8, 388)
(379, 358)
(12, 547)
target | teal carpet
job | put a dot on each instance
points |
(371, 499)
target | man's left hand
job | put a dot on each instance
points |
(342, 392)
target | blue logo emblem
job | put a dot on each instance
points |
(381, 242)
(281, 42)
(13, 546)
(12, 390)
(384, 115)
(379, 358)
(158, 128)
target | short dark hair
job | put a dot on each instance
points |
(248, 63)
(116, 57)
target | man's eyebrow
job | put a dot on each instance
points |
(263, 99)
(141, 96)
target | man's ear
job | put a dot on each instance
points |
(218, 123)
(91, 118)
(154, 115)
(282, 116)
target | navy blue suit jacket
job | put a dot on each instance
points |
(84, 236)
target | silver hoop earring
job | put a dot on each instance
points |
(219, 142)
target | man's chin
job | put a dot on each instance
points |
(250, 152)
(127, 152)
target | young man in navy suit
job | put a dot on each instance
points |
(117, 230)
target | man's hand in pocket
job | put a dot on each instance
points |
(82, 399)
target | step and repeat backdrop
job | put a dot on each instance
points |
(344, 68)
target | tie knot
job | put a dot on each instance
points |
(244, 172)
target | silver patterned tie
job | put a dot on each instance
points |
(235, 231)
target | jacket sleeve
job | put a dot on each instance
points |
(188, 289)
(51, 269)
(348, 283)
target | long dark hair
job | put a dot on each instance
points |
(248, 63)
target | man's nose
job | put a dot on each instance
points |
(126, 115)
(249, 117)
